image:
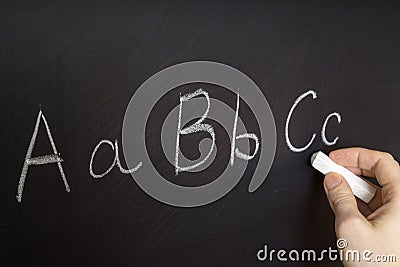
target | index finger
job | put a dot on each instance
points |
(384, 167)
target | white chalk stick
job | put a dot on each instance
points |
(361, 188)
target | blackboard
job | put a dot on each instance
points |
(80, 64)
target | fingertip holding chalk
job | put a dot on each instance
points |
(361, 188)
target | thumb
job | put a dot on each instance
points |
(341, 198)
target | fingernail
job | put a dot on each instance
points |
(332, 180)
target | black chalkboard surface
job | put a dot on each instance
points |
(80, 64)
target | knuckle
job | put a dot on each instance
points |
(387, 156)
(341, 198)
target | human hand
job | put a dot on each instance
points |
(374, 228)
